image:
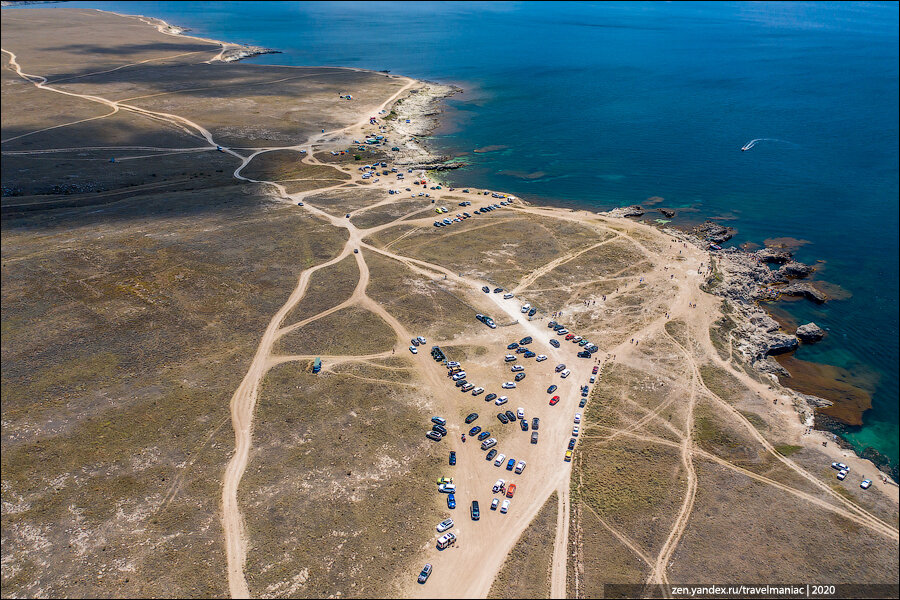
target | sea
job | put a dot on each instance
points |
(597, 105)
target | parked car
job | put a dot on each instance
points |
(504, 508)
(519, 376)
(421, 339)
(513, 346)
(511, 416)
(414, 342)
(500, 459)
(582, 403)
(534, 437)
(865, 484)
(476, 512)
(535, 422)
(499, 485)
(842, 475)
(520, 413)
(541, 357)
(434, 435)
(507, 296)
(447, 488)
(568, 456)
(551, 324)
(554, 400)
(425, 574)
(562, 331)
(526, 340)
(486, 289)
(529, 354)
(840, 466)
(474, 430)
(532, 312)
(503, 418)
(575, 431)
(551, 389)
(565, 373)
(446, 540)
(484, 435)
(509, 358)
(522, 350)
(488, 443)
(524, 424)
(508, 385)
(439, 420)
(593, 378)
(477, 391)
(516, 368)
(498, 290)
(583, 354)
(471, 417)
(569, 337)
(571, 443)
(554, 343)
(490, 397)
(511, 490)
(413, 350)
(511, 464)
(520, 467)
(560, 367)
(595, 370)
(501, 400)
(452, 457)
(495, 503)
(440, 429)
(467, 387)
(490, 455)
(444, 525)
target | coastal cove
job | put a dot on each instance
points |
(593, 111)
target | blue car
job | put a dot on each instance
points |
(452, 458)
(551, 389)
(511, 464)
(451, 500)
(474, 430)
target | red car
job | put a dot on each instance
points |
(554, 400)
(511, 490)
(596, 368)
(570, 336)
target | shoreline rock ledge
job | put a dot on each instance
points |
(625, 211)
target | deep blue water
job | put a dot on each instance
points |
(611, 103)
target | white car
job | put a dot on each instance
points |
(498, 485)
(421, 339)
(841, 475)
(495, 503)
(508, 385)
(541, 357)
(509, 358)
(444, 525)
(575, 431)
(520, 467)
(447, 488)
(504, 507)
(526, 308)
(577, 418)
(507, 296)
(517, 368)
(478, 390)
(576, 339)
(501, 400)
(452, 363)
(413, 350)
(593, 378)
(839, 466)
(458, 376)
(865, 484)
(565, 373)
(520, 413)
(499, 460)
(562, 331)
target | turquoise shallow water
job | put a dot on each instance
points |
(599, 105)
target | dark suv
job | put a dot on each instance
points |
(535, 422)
(476, 512)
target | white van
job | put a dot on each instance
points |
(446, 540)
(500, 459)
(565, 373)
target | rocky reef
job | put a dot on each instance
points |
(625, 211)
(810, 333)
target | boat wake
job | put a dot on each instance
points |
(752, 143)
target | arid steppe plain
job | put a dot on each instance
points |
(163, 434)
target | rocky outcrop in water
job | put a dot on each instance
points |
(810, 333)
(713, 232)
(794, 270)
(666, 212)
(773, 255)
(805, 289)
(625, 211)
